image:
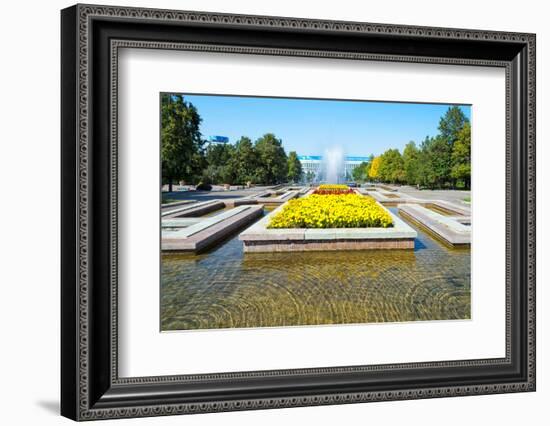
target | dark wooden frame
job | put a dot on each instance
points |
(90, 386)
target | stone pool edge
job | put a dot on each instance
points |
(258, 238)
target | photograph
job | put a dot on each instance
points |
(273, 208)
(281, 212)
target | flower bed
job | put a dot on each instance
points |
(331, 186)
(332, 211)
(334, 191)
(327, 189)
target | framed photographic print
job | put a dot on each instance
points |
(263, 212)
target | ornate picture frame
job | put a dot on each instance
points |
(90, 39)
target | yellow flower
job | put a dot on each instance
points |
(333, 186)
(332, 211)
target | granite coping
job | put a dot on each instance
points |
(262, 199)
(260, 232)
(387, 196)
(207, 223)
(176, 203)
(446, 227)
(463, 219)
(240, 202)
(260, 194)
(202, 237)
(463, 210)
(288, 195)
(190, 207)
(180, 222)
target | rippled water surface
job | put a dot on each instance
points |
(227, 288)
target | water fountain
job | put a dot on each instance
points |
(332, 167)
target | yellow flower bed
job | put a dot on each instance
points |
(332, 211)
(332, 187)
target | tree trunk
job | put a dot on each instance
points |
(170, 182)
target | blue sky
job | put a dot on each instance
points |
(311, 126)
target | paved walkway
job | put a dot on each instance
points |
(454, 196)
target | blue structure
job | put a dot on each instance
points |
(218, 139)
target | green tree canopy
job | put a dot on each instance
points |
(451, 124)
(219, 168)
(294, 167)
(411, 157)
(440, 161)
(245, 161)
(425, 173)
(461, 167)
(391, 166)
(272, 159)
(361, 172)
(181, 140)
(218, 154)
(440, 158)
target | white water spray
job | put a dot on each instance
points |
(332, 168)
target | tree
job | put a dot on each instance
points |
(374, 168)
(294, 167)
(367, 167)
(391, 166)
(411, 156)
(218, 159)
(461, 167)
(440, 159)
(218, 154)
(357, 173)
(272, 159)
(449, 128)
(451, 124)
(426, 176)
(366, 170)
(244, 161)
(181, 141)
(360, 172)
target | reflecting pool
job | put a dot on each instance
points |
(226, 288)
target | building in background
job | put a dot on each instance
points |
(311, 164)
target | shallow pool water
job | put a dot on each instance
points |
(226, 288)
